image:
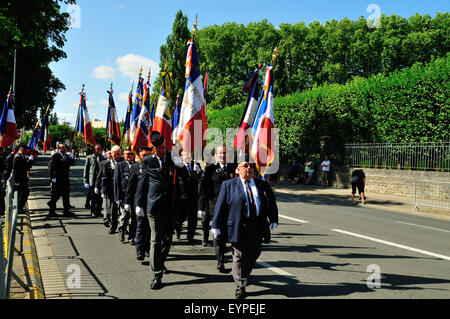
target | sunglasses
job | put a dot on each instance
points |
(248, 165)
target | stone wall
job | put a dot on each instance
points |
(389, 181)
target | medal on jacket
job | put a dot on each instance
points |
(219, 170)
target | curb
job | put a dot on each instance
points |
(32, 263)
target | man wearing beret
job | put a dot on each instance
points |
(241, 212)
(154, 198)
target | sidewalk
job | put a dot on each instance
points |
(399, 204)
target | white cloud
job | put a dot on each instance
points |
(104, 102)
(130, 64)
(103, 72)
(66, 117)
(123, 97)
(90, 103)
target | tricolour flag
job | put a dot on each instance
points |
(193, 108)
(262, 130)
(176, 116)
(33, 143)
(112, 122)
(8, 126)
(241, 139)
(138, 100)
(144, 123)
(163, 113)
(126, 124)
(84, 126)
(44, 135)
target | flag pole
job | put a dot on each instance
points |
(76, 124)
(14, 72)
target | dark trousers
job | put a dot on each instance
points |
(59, 190)
(245, 253)
(219, 244)
(111, 214)
(89, 196)
(161, 232)
(142, 235)
(186, 208)
(96, 202)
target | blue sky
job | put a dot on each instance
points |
(111, 39)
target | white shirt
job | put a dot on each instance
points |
(326, 168)
(254, 190)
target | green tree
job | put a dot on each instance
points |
(36, 29)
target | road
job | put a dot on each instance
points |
(323, 248)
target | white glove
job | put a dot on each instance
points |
(197, 168)
(96, 190)
(216, 232)
(86, 186)
(201, 213)
(139, 211)
(71, 154)
(118, 202)
(273, 226)
(27, 156)
(31, 157)
(127, 208)
(53, 180)
(104, 196)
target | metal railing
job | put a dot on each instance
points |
(431, 194)
(411, 156)
(8, 238)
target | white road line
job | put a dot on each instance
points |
(274, 269)
(294, 219)
(447, 231)
(393, 244)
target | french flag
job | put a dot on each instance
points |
(44, 135)
(84, 126)
(241, 139)
(163, 116)
(8, 126)
(144, 122)
(262, 130)
(192, 124)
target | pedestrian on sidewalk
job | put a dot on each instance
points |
(59, 168)
(91, 169)
(358, 181)
(309, 169)
(326, 164)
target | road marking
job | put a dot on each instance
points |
(274, 269)
(294, 219)
(393, 244)
(447, 231)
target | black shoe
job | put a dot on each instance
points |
(221, 267)
(191, 241)
(112, 231)
(52, 214)
(140, 257)
(165, 270)
(156, 283)
(106, 223)
(240, 293)
(132, 242)
(87, 206)
(122, 237)
(68, 213)
(206, 244)
(70, 206)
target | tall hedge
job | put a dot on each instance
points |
(407, 106)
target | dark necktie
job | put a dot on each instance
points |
(251, 200)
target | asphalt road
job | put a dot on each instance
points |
(323, 248)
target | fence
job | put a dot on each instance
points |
(8, 238)
(418, 156)
(432, 194)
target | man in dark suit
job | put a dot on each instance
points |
(98, 187)
(107, 188)
(242, 209)
(210, 182)
(121, 177)
(2, 190)
(59, 168)
(91, 169)
(154, 197)
(21, 167)
(142, 238)
(186, 196)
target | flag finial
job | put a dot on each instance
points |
(274, 55)
(195, 27)
(140, 72)
(149, 74)
(111, 87)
